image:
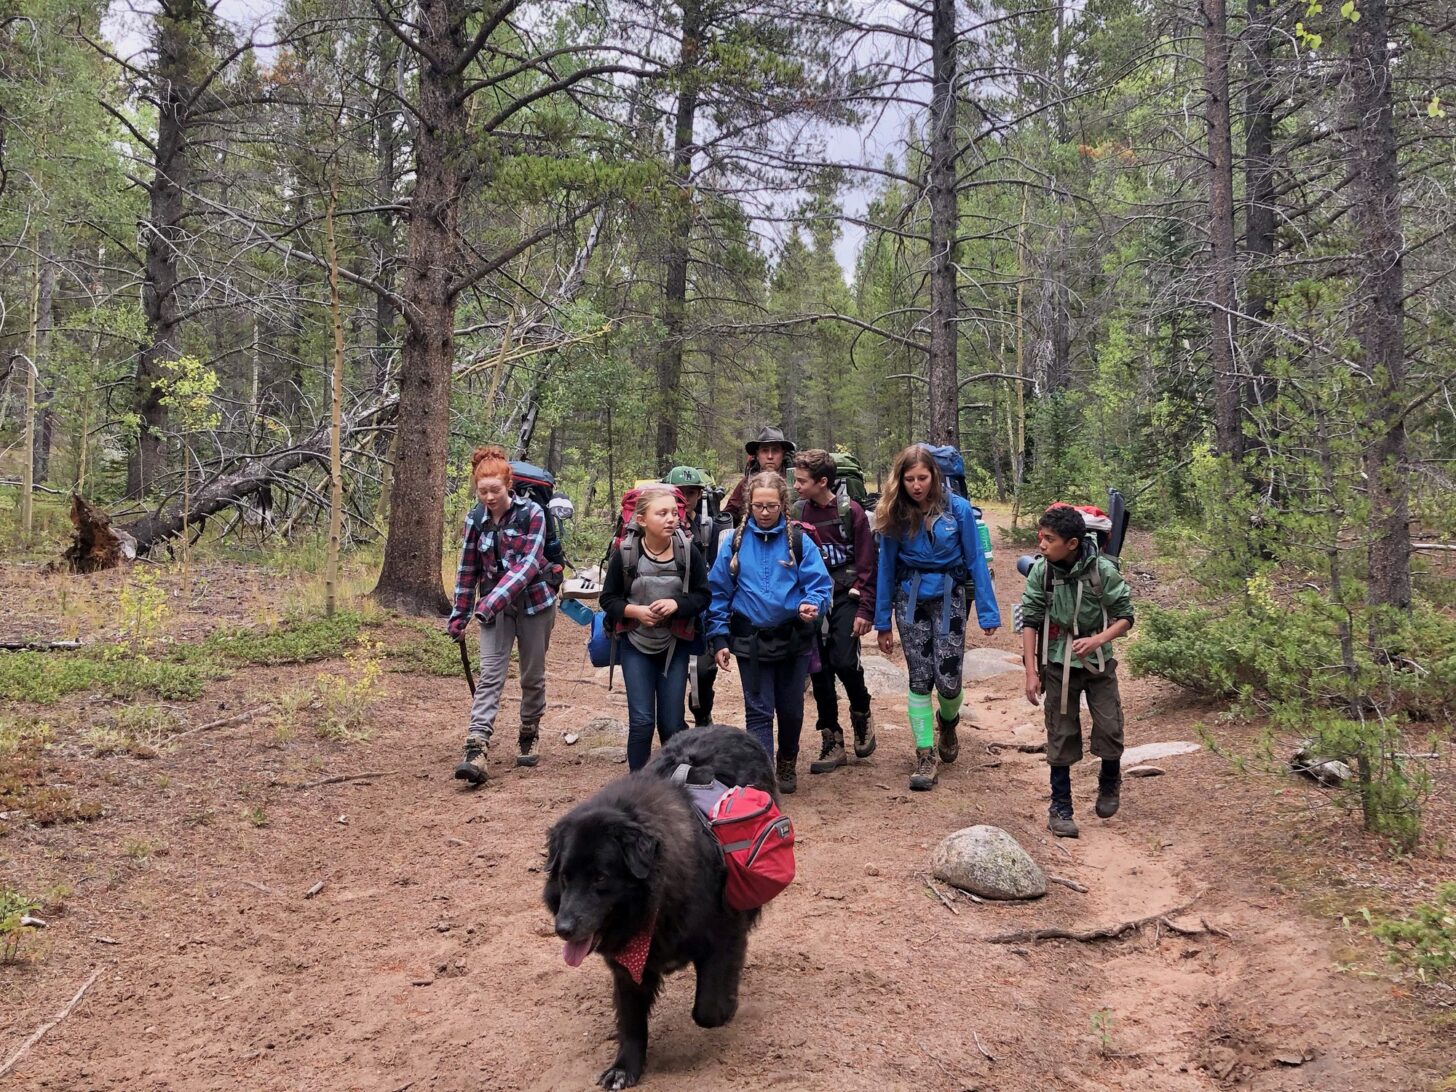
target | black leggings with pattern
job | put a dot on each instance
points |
(934, 659)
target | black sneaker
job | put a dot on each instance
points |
(472, 766)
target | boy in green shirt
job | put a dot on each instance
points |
(1075, 605)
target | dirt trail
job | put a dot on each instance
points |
(427, 962)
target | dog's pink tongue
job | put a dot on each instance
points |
(576, 951)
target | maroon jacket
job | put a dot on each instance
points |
(861, 552)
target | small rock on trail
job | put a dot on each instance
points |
(1144, 771)
(1327, 771)
(987, 861)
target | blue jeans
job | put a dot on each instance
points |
(778, 691)
(656, 691)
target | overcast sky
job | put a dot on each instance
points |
(127, 24)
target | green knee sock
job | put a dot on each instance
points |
(921, 721)
(950, 708)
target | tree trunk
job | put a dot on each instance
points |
(1059, 368)
(680, 230)
(1227, 417)
(410, 579)
(44, 320)
(336, 422)
(1380, 322)
(944, 395)
(1259, 222)
(176, 70)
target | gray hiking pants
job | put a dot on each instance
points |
(531, 633)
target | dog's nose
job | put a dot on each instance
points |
(565, 926)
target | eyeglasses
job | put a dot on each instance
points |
(766, 508)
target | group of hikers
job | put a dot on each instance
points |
(783, 585)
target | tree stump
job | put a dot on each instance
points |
(95, 544)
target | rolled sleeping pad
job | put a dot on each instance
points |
(1118, 514)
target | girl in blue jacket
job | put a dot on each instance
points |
(768, 589)
(929, 554)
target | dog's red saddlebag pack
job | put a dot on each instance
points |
(755, 838)
(758, 846)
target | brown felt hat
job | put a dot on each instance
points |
(770, 435)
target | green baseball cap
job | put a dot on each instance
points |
(686, 475)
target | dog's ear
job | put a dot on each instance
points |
(553, 849)
(639, 849)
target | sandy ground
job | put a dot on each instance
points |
(427, 960)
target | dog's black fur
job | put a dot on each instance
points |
(637, 851)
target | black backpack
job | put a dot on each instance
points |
(709, 522)
(539, 484)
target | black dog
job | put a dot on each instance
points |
(632, 874)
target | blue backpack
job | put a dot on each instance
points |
(952, 467)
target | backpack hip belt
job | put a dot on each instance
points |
(959, 576)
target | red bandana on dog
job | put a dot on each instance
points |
(634, 957)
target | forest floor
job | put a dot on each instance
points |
(427, 961)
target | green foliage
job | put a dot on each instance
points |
(1292, 658)
(298, 642)
(13, 907)
(1426, 939)
(429, 652)
(346, 700)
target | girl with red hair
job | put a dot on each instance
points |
(502, 583)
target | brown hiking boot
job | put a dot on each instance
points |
(864, 733)
(1061, 823)
(526, 744)
(950, 744)
(832, 756)
(925, 775)
(472, 766)
(788, 774)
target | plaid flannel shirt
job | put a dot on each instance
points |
(503, 561)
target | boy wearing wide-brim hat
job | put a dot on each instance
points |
(769, 450)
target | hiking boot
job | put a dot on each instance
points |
(788, 774)
(925, 775)
(864, 733)
(472, 766)
(1109, 796)
(950, 744)
(832, 756)
(1061, 823)
(526, 744)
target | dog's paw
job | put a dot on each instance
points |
(615, 1077)
(715, 1013)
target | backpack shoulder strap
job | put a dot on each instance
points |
(846, 516)
(631, 551)
(796, 543)
(734, 547)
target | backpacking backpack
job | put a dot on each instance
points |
(628, 512)
(538, 484)
(849, 477)
(756, 840)
(952, 467)
(709, 522)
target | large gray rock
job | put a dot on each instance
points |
(604, 727)
(1151, 752)
(988, 862)
(885, 678)
(985, 663)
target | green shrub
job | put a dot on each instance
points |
(13, 907)
(1299, 662)
(1426, 940)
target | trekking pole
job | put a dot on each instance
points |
(465, 663)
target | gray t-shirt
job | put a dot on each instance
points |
(655, 580)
